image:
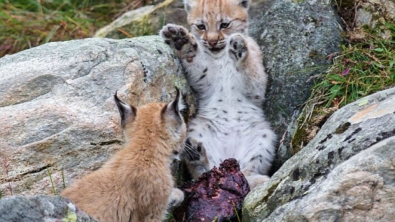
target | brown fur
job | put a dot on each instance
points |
(136, 183)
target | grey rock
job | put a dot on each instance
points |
(373, 12)
(146, 20)
(346, 173)
(40, 208)
(363, 17)
(296, 39)
(57, 112)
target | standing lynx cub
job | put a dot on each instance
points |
(224, 68)
(136, 183)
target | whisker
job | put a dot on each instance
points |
(190, 151)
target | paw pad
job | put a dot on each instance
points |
(238, 47)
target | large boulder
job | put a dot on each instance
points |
(57, 114)
(41, 208)
(145, 20)
(346, 173)
(296, 38)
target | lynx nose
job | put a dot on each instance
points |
(212, 43)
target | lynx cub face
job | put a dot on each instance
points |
(213, 22)
(136, 183)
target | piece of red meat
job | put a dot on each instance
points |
(217, 195)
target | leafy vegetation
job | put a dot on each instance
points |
(365, 65)
(29, 23)
(361, 69)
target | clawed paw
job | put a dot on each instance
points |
(180, 39)
(237, 47)
(194, 151)
(195, 157)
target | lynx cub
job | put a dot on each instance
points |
(224, 68)
(136, 183)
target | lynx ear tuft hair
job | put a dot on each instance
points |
(188, 4)
(125, 110)
(245, 3)
(176, 106)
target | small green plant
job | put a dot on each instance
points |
(236, 211)
(361, 69)
(6, 168)
(366, 65)
(52, 184)
(63, 180)
(29, 23)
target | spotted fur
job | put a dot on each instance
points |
(224, 68)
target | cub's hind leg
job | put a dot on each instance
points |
(256, 162)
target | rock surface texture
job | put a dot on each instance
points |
(39, 209)
(147, 19)
(346, 173)
(296, 38)
(57, 111)
(371, 12)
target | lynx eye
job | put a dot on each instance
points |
(224, 25)
(201, 27)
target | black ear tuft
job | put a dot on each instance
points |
(188, 5)
(126, 111)
(245, 3)
(176, 100)
(175, 107)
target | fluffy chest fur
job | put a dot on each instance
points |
(224, 68)
(225, 118)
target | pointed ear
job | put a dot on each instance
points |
(125, 110)
(245, 3)
(175, 107)
(188, 4)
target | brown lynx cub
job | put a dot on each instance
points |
(224, 68)
(136, 183)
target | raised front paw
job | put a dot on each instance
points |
(237, 47)
(180, 39)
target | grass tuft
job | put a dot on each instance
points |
(366, 65)
(363, 68)
(52, 184)
(29, 23)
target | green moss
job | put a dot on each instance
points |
(71, 217)
(298, 140)
(179, 82)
